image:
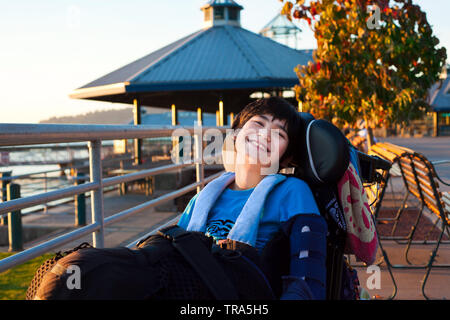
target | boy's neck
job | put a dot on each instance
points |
(246, 177)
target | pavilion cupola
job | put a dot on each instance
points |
(221, 12)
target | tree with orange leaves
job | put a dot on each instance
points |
(375, 60)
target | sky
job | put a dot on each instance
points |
(48, 48)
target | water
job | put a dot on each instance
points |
(24, 169)
(54, 178)
(36, 179)
(39, 183)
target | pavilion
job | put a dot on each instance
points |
(439, 99)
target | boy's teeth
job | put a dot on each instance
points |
(258, 145)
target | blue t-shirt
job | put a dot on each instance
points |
(226, 210)
(289, 198)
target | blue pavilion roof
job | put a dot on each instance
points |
(439, 96)
(220, 57)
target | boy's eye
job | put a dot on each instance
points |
(281, 134)
(259, 122)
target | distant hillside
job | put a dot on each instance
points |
(112, 116)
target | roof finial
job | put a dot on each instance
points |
(221, 12)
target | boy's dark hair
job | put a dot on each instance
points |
(280, 109)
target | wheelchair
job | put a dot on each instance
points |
(323, 161)
(323, 158)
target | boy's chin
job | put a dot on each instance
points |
(266, 167)
(270, 169)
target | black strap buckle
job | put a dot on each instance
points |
(173, 232)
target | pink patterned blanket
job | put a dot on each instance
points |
(361, 232)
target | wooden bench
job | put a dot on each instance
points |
(419, 177)
(396, 155)
(392, 153)
(421, 181)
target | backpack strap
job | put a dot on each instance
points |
(201, 259)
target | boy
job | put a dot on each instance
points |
(252, 204)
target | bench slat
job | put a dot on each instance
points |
(433, 208)
(409, 172)
(396, 147)
(383, 153)
(431, 199)
(422, 174)
(405, 161)
(426, 182)
(446, 197)
(425, 167)
(412, 187)
(446, 200)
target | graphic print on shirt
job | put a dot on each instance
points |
(219, 229)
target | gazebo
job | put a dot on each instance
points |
(216, 69)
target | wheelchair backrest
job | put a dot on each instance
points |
(325, 155)
(323, 159)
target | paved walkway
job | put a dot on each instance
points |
(408, 282)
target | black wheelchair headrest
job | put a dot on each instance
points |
(326, 153)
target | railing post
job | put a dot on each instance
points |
(14, 220)
(95, 167)
(4, 182)
(199, 168)
(45, 190)
(80, 202)
(137, 142)
(3, 185)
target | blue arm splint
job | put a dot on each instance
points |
(307, 234)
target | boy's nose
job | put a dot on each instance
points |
(264, 133)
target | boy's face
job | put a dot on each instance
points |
(262, 140)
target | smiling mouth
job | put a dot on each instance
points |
(257, 144)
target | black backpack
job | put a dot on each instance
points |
(173, 264)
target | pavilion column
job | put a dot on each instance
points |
(137, 121)
(221, 113)
(199, 117)
(436, 124)
(174, 115)
(217, 118)
(176, 140)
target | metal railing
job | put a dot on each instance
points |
(46, 176)
(29, 134)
